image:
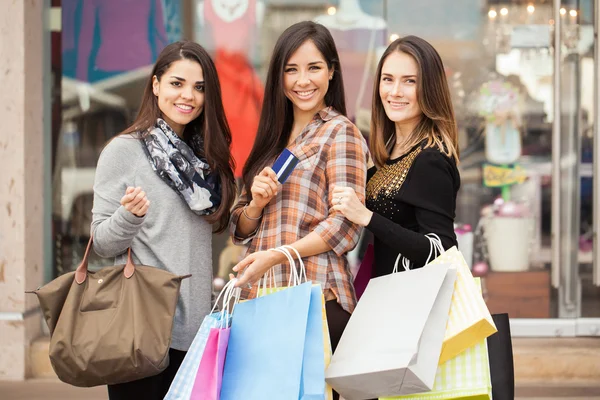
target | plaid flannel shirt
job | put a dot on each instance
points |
(332, 152)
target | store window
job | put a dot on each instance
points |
(499, 56)
(499, 62)
(107, 48)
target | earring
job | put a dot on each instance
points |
(331, 77)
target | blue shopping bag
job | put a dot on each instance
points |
(266, 346)
(313, 366)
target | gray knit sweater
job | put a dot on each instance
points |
(170, 236)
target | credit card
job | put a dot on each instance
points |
(284, 165)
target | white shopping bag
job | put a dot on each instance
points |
(392, 343)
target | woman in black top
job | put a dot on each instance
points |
(412, 187)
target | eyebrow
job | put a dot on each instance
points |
(403, 76)
(310, 63)
(183, 80)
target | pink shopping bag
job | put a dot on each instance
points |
(207, 385)
(365, 272)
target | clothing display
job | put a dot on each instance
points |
(355, 50)
(170, 236)
(117, 36)
(411, 196)
(241, 87)
(358, 37)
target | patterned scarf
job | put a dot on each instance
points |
(175, 162)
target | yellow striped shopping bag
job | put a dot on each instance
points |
(466, 376)
(469, 320)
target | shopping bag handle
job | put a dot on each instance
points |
(82, 269)
(294, 277)
(435, 250)
(302, 272)
(262, 282)
(228, 292)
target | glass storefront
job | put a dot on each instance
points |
(523, 76)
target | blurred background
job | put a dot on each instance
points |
(524, 82)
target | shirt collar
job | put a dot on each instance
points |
(327, 113)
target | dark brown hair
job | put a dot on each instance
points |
(277, 116)
(211, 124)
(437, 124)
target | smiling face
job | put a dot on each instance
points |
(398, 91)
(306, 80)
(180, 93)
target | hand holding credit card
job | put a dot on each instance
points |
(284, 165)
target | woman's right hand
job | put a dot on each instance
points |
(135, 201)
(264, 187)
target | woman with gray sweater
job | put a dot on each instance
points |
(163, 186)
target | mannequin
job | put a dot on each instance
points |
(230, 10)
(116, 36)
(229, 29)
(357, 36)
(349, 15)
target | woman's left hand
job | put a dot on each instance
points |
(346, 202)
(254, 267)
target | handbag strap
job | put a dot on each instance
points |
(82, 269)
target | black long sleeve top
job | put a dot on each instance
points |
(411, 196)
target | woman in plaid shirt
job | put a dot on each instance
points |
(304, 111)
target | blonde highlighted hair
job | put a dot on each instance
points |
(437, 125)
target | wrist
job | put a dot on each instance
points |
(252, 211)
(368, 214)
(252, 206)
(276, 257)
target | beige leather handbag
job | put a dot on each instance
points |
(110, 326)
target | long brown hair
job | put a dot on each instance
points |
(211, 125)
(277, 115)
(437, 123)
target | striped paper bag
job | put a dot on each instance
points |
(469, 321)
(466, 376)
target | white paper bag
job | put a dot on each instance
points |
(392, 343)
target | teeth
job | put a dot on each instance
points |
(183, 106)
(307, 93)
